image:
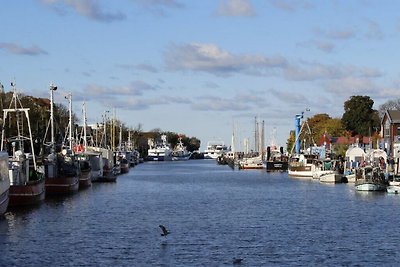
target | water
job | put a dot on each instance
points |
(214, 214)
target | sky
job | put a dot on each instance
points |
(203, 68)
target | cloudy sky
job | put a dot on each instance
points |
(203, 68)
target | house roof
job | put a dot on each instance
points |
(394, 115)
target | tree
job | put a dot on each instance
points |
(389, 105)
(359, 117)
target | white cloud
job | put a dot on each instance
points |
(87, 8)
(19, 50)
(210, 58)
(235, 8)
(291, 5)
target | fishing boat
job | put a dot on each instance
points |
(4, 182)
(215, 149)
(180, 152)
(370, 178)
(302, 165)
(27, 185)
(276, 160)
(159, 151)
(60, 169)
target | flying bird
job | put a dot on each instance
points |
(164, 230)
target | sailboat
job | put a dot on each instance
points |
(60, 169)
(27, 185)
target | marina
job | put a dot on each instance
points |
(264, 218)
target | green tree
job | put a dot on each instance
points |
(359, 117)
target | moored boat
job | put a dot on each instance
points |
(370, 178)
(4, 182)
(276, 160)
(180, 152)
(251, 163)
(215, 149)
(159, 151)
(26, 183)
(60, 169)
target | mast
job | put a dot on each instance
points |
(52, 145)
(84, 125)
(69, 97)
(17, 109)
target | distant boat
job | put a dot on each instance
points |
(159, 151)
(4, 182)
(251, 163)
(276, 160)
(215, 149)
(180, 152)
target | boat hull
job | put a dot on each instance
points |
(125, 168)
(31, 193)
(370, 186)
(85, 180)
(62, 185)
(277, 166)
(300, 171)
(393, 189)
(332, 178)
(4, 199)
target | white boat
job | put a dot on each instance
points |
(215, 149)
(326, 171)
(370, 178)
(331, 177)
(252, 163)
(180, 152)
(394, 186)
(4, 182)
(159, 151)
(302, 166)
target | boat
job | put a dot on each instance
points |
(159, 151)
(123, 163)
(4, 182)
(276, 160)
(85, 170)
(394, 186)
(370, 178)
(251, 163)
(27, 185)
(180, 152)
(60, 168)
(215, 149)
(331, 177)
(302, 165)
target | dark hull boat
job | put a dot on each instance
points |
(85, 179)
(61, 177)
(33, 192)
(4, 183)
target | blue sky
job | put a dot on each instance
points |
(200, 67)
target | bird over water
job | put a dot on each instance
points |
(164, 230)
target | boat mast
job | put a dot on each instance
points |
(17, 109)
(84, 125)
(69, 97)
(52, 145)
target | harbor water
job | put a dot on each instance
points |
(214, 214)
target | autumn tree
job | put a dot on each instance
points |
(359, 117)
